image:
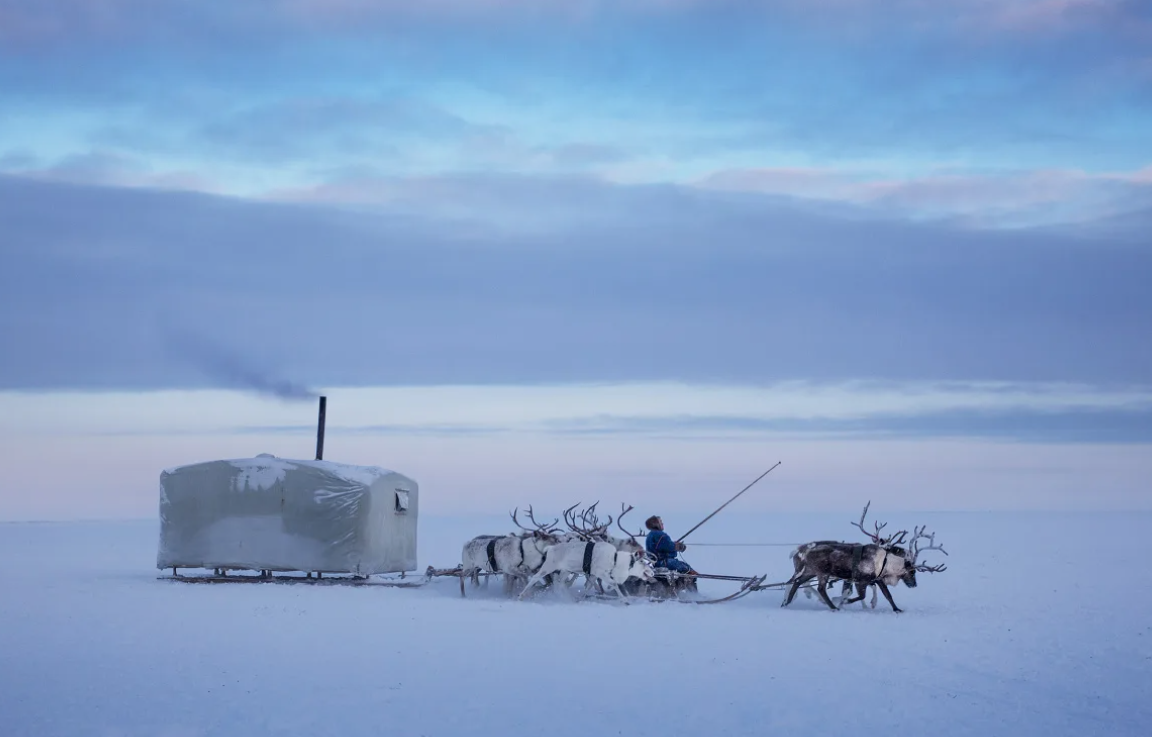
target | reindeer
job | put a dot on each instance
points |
(586, 527)
(516, 556)
(600, 561)
(800, 554)
(883, 563)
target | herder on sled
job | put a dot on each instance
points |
(664, 550)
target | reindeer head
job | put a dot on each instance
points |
(897, 563)
(640, 567)
(909, 577)
(910, 556)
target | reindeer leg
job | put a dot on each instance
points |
(822, 589)
(616, 587)
(536, 578)
(873, 597)
(845, 589)
(796, 583)
(583, 592)
(861, 588)
(888, 595)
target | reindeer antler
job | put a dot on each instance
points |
(550, 527)
(895, 538)
(516, 521)
(916, 549)
(577, 523)
(570, 518)
(592, 524)
(586, 524)
(623, 512)
(543, 529)
(875, 536)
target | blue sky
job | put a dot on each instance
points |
(701, 219)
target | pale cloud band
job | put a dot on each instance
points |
(1011, 411)
(485, 450)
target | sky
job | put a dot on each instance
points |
(537, 250)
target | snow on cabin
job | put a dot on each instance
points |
(269, 513)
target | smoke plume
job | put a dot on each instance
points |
(228, 368)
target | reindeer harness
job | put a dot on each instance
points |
(588, 558)
(492, 554)
(883, 563)
(858, 557)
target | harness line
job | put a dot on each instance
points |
(748, 545)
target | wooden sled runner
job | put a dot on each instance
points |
(680, 588)
(308, 579)
(401, 581)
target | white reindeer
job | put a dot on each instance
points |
(515, 556)
(586, 527)
(606, 564)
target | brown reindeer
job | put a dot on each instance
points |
(884, 562)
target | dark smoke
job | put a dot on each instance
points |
(221, 365)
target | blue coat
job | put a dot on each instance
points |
(660, 545)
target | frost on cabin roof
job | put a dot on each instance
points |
(266, 469)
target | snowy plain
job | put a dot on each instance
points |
(1042, 625)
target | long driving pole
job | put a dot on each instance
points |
(725, 504)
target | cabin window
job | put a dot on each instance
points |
(401, 501)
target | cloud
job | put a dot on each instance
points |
(667, 283)
(299, 127)
(1071, 427)
(104, 168)
(797, 410)
(266, 92)
(995, 198)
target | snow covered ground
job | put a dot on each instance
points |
(1041, 626)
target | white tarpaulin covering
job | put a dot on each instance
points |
(269, 513)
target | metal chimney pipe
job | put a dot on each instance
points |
(320, 429)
